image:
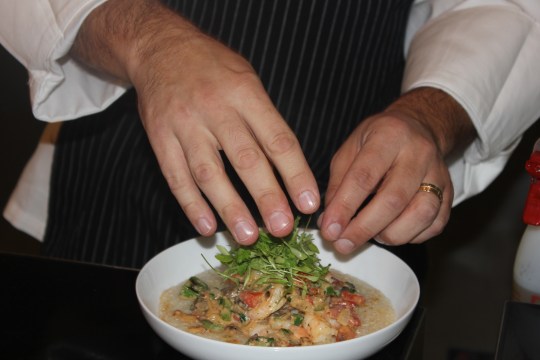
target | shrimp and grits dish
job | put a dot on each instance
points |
(275, 293)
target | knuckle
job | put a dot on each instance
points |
(439, 224)
(232, 211)
(247, 80)
(363, 179)
(435, 229)
(331, 189)
(175, 181)
(300, 178)
(205, 172)
(245, 87)
(281, 143)
(246, 158)
(178, 182)
(395, 199)
(360, 233)
(267, 196)
(426, 211)
(349, 205)
(191, 207)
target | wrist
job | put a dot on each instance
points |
(440, 114)
(163, 39)
(123, 38)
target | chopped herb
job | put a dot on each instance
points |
(330, 291)
(208, 325)
(225, 315)
(188, 292)
(286, 331)
(193, 287)
(298, 319)
(349, 287)
(243, 317)
(225, 302)
(197, 284)
(261, 341)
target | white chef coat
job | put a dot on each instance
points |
(485, 53)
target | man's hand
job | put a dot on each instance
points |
(197, 97)
(387, 157)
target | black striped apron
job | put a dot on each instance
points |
(326, 65)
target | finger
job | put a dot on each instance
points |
(442, 218)
(341, 162)
(209, 174)
(358, 181)
(424, 212)
(175, 169)
(392, 198)
(257, 174)
(385, 206)
(283, 150)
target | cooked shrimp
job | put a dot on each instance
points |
(319, 329)
(271, 301)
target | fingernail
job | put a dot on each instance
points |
(334, 230)
(344, 246)
(278, 221)
(380, 241)
(307, 201)
(203, 226)
(243, 230)
(319, 220)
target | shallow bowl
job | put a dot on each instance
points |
(372, 264)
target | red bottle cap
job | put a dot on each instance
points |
(531, 215)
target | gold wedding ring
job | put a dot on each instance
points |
(430, 188)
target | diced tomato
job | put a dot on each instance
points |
(353, 298)
(251, 298)
(354, 321)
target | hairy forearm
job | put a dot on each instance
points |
(120, 37)
(443, 116)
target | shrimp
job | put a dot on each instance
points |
(320, 331)
(272, 300)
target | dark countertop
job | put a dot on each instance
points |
(519, 337)
(53, 309)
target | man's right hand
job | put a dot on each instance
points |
(197, 97)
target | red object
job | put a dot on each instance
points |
(353, 298)
(531, 215)
(251, 298)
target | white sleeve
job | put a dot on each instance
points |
(39, 34)
(485, 53)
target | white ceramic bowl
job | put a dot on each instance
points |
(372, 264)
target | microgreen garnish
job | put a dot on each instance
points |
(292, 261)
